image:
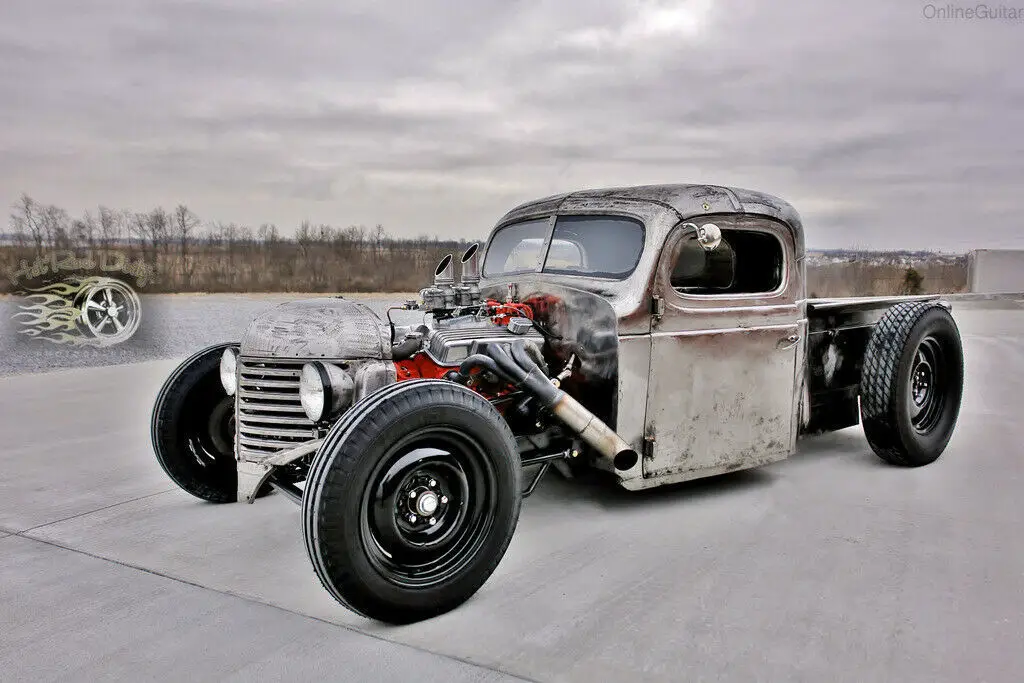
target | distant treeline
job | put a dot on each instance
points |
(190, 255)
(186, 254)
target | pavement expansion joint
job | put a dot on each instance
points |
(257, 601)
(89, 512)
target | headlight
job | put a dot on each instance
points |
(324, 390)
(228, 366)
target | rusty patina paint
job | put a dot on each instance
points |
(649, 426)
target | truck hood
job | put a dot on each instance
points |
(318, 328)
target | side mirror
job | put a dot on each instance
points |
(709, 236)
(704, 262)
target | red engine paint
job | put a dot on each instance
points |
(420, 366)
(502, 311)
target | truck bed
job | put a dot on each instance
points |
(864, 302)
(837, 335)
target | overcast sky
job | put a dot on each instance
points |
(883, 127)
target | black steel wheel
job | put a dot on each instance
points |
(912, 383)
(193, 427)
(412, 501)
(927, 385)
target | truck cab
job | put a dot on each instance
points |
(714, 338)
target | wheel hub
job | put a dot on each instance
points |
(426, 506)
(422, 500)
(922, 384)
(427, 503)
(927, 386)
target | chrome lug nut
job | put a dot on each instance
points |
(433, 483)
(412, 518)
(412, 494)
(444, 500)
(433, 521)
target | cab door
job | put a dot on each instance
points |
(726, 338)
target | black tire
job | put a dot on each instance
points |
(912, 383)
(192, 428)
(356, 505)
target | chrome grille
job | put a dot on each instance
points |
(270, 417)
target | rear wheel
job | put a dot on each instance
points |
(412, 501)
(193, 429)
(912, 383)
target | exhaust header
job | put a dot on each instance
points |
(521, 370)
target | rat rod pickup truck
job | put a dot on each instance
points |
(655, 333)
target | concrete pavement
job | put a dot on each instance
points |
(828, 566)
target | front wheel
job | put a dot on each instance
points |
(412, 501)
(192, 429)
(912, 383)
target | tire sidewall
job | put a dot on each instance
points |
(339, 507)
(186, 396)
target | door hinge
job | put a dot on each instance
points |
(657, 307)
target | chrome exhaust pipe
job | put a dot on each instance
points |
(527, 375)
(595, 432)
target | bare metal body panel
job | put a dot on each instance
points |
(714, 385)
(318, 328)
(724, 369)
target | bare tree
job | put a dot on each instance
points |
(110, 223)
(379, 237)
(19, 227)
(137, 224)
(56, 224)
(158, 228)
(268, 235)
(185, 224)
(27, 217)
(83, 231)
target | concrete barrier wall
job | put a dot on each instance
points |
(996, 270)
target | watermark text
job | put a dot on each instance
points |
(980, 11)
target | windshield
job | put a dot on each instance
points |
(600, 246)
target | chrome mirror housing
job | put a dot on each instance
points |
(709, 236)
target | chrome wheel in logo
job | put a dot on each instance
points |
(111, 311)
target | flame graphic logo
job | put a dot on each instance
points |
(81, 310)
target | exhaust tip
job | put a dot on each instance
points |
(626, 460)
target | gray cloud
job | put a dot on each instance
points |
(884, 128)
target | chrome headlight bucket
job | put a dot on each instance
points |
(324, 390)
(228, 371)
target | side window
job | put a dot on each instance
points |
(745, 262)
